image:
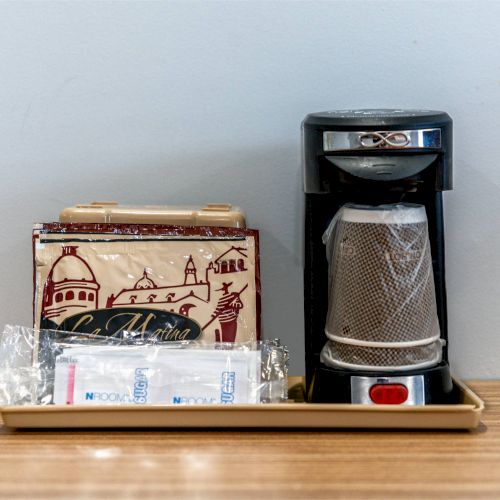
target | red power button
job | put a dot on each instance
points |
(388, 394)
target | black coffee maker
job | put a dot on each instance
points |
(373, 158)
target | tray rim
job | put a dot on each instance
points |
(472, 409)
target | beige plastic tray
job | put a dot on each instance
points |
(213, 214)
(296, 414)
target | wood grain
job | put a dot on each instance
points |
(275, 464)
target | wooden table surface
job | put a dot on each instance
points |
(248, 464)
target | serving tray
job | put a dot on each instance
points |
(294, 414)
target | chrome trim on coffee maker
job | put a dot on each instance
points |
(385, 139)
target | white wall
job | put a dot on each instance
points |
(192, 102)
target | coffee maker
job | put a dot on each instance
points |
(374, 160)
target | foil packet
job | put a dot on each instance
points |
(168, 283)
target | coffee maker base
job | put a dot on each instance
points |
(418, 387)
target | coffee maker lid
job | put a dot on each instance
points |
(395, 119)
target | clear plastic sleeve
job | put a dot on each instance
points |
(382, 307)
(41, 367)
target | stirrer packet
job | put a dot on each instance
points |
(168, 282)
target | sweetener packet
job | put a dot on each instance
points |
(154, 375)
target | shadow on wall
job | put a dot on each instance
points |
(472, 247)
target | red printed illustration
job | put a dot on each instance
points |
(71, 288)
(227, 312)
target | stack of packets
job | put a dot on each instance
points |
(121, 375)
(127, 312)
(40, 367)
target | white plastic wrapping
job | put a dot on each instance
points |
(40, 367)
(382, 306)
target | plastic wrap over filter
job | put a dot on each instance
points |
(40, 367)
(382, 306)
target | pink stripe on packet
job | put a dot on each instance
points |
(70, 395)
